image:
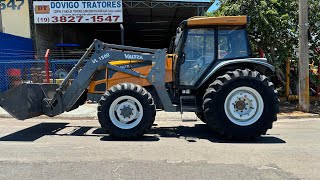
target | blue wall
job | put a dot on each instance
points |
(15, 48)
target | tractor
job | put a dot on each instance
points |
(208, 69)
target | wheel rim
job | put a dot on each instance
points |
(61, 73)
(126, 112)
(243, 106)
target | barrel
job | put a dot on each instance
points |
(14, 76)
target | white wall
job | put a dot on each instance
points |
(15, 19)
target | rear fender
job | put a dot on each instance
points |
(259, 64)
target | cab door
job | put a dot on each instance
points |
(198, 53)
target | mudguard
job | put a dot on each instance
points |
(220, 64)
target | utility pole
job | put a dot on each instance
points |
(1, 28)
(303, 57)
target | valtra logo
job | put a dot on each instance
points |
(131, 56)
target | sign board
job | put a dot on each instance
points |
(54, 12)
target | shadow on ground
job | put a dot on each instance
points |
(35, 132)
(190, 134)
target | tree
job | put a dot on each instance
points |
(314, 21)
(274, 26)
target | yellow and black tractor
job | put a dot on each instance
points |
(208, 69)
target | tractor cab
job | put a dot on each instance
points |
(203, 41)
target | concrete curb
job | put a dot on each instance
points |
(56, 117)
(81, 117)
(299, 117)
(87, 111)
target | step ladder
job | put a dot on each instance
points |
(188, 104)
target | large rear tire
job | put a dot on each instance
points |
(200, 115)
(241, 104)
(126, 111)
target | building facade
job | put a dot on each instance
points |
(16, 18)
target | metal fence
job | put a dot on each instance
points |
(13, 73)
(17, 66)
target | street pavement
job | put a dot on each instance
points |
(173, 149)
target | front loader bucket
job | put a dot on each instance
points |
(25, 101)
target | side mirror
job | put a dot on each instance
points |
(183, 58)
(171, 46)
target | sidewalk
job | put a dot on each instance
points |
(86, 111)
(89, 111)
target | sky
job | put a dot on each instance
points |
(214, 6)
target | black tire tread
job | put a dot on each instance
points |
(200, 115)
(211, 94)
(147, 121)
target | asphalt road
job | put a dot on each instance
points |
(78, 149)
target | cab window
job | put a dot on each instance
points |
(198, 55)
(232, 42)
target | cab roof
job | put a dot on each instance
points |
(223, 20)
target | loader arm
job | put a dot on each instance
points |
(101, 57)
(105, 53)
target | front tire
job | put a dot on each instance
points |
(126, 111)
(241, 104)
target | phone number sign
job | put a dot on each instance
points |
(54, 12)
